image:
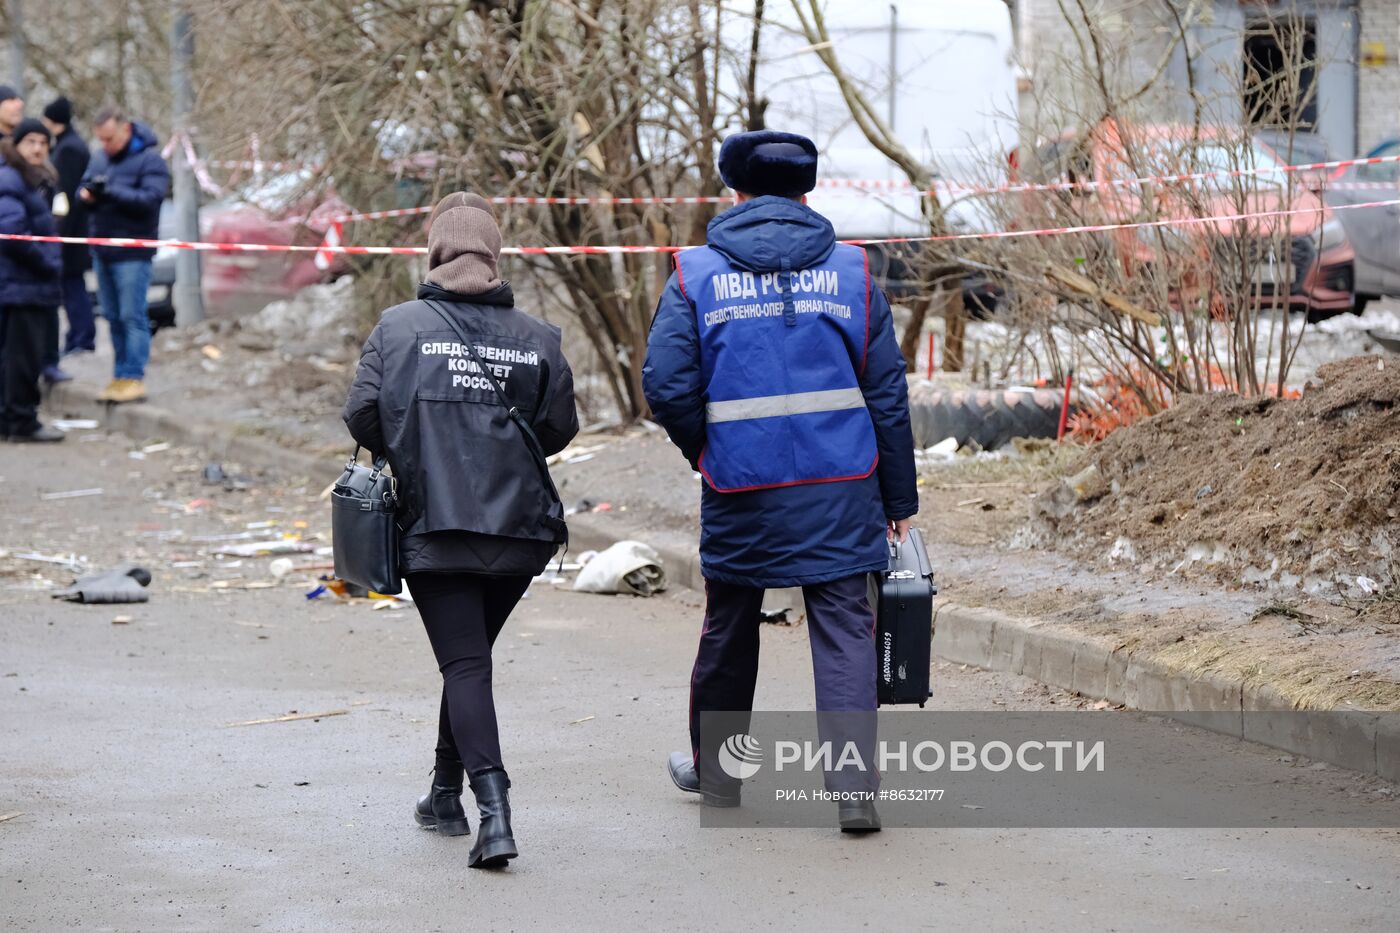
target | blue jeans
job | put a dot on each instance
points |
(121, 288)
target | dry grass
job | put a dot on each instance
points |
(1028, 463)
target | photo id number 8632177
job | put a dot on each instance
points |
(918, 794)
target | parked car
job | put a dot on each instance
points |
(284, 210)
(1374, 231)
(1318, 274)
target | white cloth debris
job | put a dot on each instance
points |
(629, 567)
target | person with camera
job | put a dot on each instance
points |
(466, 395)
(29, 279)
(124, 185)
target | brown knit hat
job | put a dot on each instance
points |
(459, 199)
(464, 245)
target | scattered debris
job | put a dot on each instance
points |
(125, 583)
(945, 449)
(265, 548)
(571, 454)
(575, 722)
(6, 817)
(121, 620)
(70, 562)
(290, 717)
(74, 424)
(72, 494)
(628, 567)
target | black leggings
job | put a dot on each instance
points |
(463, 613)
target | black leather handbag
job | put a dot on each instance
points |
(365, 535)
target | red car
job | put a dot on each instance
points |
(1318, 273)
(282, 211)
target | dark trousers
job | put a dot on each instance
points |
(841, 629)
(463, 613)
(77, 304)
(24, 332)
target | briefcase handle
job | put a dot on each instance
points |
(379, 463)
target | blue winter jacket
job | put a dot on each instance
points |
(798, 534)
(29, 272)
(137, 182)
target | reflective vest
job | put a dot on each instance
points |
(781, 354)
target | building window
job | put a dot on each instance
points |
(1280, 72)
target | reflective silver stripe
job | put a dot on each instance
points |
(774, 406)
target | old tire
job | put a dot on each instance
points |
(988, 419)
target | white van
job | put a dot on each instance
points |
(940, 73)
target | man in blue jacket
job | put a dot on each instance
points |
(124, 185)
(773, 366)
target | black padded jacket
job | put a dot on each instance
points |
(471, 497)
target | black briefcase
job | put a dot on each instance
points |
(904, 629)
(364, 534)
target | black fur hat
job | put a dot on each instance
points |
(769, 162)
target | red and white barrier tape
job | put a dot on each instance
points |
(327, 250)
(1136, 225)
(722, 199)
(851, 185)
(201, 168)
(905, 185)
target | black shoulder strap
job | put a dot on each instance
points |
(531, 441)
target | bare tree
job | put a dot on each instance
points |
(604, 97)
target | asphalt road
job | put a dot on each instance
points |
(141, 808)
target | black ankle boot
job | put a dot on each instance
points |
(494, 843)
(441, 809)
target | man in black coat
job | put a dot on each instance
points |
(70, 156)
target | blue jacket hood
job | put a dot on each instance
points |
(142, 137)
(759, 234)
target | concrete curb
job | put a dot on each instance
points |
(993, 640)
(1365, 742)
(221, 441)
(1360, 741)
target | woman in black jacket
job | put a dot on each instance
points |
(29, 280)
(477, 517)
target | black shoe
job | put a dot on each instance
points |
(681, 767)
(43, 435)
(858, 816)
(441, 810)
(495, 845)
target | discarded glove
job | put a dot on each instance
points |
(125, 583)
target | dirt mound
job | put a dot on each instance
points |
(1302, 493)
